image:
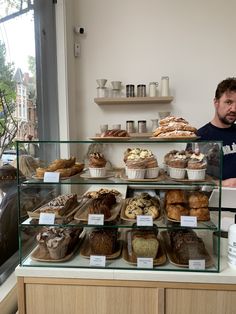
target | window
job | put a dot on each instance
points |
(36, 107)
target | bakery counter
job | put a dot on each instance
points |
(86, 291)
(226, 276)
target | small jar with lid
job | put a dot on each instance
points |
(164, 86)
(153, 89)
(141, 90)
(130, 126)
(142, 126)
(130, 90)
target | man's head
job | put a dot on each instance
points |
(225, 102)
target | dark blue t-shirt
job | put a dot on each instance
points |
(228, 137)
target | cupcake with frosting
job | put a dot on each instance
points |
(97, 163)
(140, 163)
(177, 165)
(196, 168)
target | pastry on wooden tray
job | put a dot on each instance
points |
(66, 168)
(60, 205)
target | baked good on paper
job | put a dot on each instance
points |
(144, 243)
(115, 133)
(97, 160)
(103, 241)
(197, 161)
(57, 242)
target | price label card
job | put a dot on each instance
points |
(197, 264)
(97, 261)
(143, 220)
(46, 219)
(144, 262)
(96, 219)
(51, 177)
(188, 221)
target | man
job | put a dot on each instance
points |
(223, 128)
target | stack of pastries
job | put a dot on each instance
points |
(172, 126)
(181, 203)
(143, 204)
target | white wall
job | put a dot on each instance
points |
(138, 41)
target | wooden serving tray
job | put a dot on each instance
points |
(35, 255)
(36, 213)
(174, 258)
(130, 257)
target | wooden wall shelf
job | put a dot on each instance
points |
(133, 100)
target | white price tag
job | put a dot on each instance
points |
(51, 177)
(96, 219)
(97, 261)
(145, 262)
(143, 220)
(197, 264)
(188, 221)
(46, 219)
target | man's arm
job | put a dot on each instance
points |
(230, 183)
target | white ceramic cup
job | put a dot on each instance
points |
(116, 84)
(101, 82)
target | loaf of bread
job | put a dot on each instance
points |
(102, 205)
(103, 241)
(145, 244)
(186, 245)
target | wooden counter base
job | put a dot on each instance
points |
(87, 296)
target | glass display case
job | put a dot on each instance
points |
(146, 207)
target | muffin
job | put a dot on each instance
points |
(177, 165)
(196, 168)
(97, 164)
(138, 159)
